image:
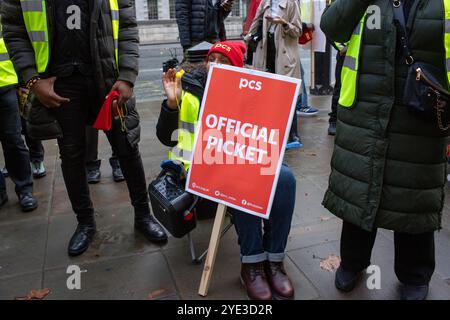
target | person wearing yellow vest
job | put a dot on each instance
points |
(16, 155)
(71, 54)
(262, 272)
(389, 162)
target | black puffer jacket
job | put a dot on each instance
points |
(102, 47)
(389, 164)
(199, 21)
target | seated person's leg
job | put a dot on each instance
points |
(277, 228)
(253, 256)
(276, 232)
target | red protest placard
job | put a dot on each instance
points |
(241, 136)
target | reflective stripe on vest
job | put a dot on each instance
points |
(35, 17)
(114, 7)
(349, 74)
(187, 120)
(340, 46)
(7, 74)
(349, 77)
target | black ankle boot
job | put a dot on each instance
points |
(81, 238)
(150, 228)
(346, 280)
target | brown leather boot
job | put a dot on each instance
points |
(279, 281)
(254, 280)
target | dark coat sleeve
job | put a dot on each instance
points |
(341, 18)
(167, 124)
(16, 39)
(183, 15)
(128, 42)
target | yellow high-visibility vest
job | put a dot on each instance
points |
(8, 75)
(187, 121)
(35, 17)
(349, 77)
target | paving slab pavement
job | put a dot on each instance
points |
(123, 265)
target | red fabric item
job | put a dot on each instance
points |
(251, 13)
(104, 118)
(233, 50)
(306, 36)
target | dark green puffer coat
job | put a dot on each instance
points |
(388, 165)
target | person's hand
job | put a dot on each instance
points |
(227, 5)
(276, 20)
(44, 91)
(125, 91)
(172, 88)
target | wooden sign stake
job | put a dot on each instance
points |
(212, 250)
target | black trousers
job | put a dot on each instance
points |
(92, 160)
(337, 88)
(35, 146)
(323, 65)
(17, 158)
(414, 253)
(73, 118)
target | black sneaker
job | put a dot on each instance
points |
(326, 91)
(346, 280)
(93, 176)
(27, 202)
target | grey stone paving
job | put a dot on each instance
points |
(122, 265)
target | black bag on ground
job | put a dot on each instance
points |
(171, 204)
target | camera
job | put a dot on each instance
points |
(170, 64)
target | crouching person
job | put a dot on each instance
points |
(262, 253)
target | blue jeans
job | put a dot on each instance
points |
(303, 99)
(256, 246)
(17, 158)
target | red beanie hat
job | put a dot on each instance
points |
(233, 50)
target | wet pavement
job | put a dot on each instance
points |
(123, 265)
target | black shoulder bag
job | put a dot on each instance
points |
(423, 93)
